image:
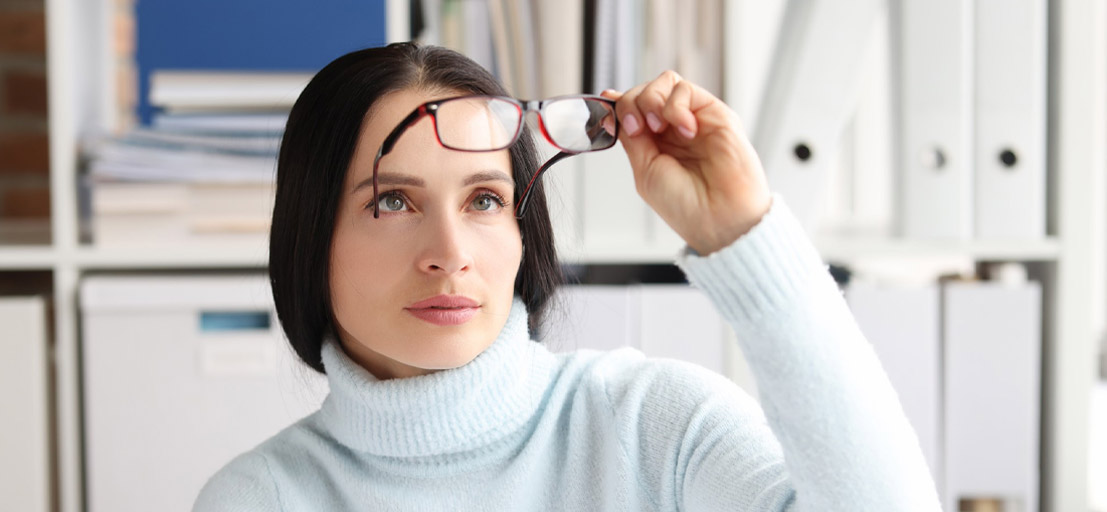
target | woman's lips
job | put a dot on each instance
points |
(445, 309)
(444, 316)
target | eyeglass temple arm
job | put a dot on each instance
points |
(386, 147)
(521, 208)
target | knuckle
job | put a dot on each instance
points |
(672, 107)
(623, 104)
(650, 101)
(670, 75)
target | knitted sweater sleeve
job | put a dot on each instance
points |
(846, 442)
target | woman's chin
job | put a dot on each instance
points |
(445, 357)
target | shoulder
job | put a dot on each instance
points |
(244, 484)
(249, 481)
(633, 385)
(671, 419)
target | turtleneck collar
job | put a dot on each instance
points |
(445, 412)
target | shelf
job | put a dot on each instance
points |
(851, 248)
(27, 257)
(630, 255)
(149, 258)
(24, 232)
(838, 249)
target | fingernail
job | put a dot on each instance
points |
(653, 121)
(631, 124)
(687, 133)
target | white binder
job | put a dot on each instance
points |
(810, 95)
(1010, 83)
(935, 117)
(24, 445)
(903, 325)
(992, 347)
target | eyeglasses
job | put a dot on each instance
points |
(573, 124)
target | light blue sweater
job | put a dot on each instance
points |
(520, 428)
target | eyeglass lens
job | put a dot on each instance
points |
(478, 123)
(488, 123)
(580, 124)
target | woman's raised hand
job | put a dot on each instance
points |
(692, 161)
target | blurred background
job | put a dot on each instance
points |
(948, 157)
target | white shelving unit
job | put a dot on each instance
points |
(80, 91)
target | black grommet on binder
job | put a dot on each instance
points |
(802, 152)
(1008, 157)
(933, 158)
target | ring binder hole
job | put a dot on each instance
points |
(933, 158)
(802, 151)
(1008, 158)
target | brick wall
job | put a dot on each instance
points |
(24, 150)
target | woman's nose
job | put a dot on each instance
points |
(445, 249)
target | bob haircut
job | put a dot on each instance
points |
(319, 141)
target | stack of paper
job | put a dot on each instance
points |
(233, 91)
(204, 171)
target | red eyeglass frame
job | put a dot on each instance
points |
(430, 108)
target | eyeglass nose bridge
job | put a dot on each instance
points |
(533, 119)
(532, 116)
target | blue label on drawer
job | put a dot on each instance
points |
(221, 321)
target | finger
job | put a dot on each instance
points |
(628, 113)
(611, 94)
(637, 141)
(678, 109)
(651, 102)
(609, 122)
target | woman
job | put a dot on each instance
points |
(400, 271)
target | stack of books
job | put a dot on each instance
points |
(203, 171)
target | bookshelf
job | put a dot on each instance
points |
(81, 89)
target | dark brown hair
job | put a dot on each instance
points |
(319, 142)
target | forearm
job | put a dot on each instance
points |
(846, 441)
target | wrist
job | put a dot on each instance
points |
(730, 227)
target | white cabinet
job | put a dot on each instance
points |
(181, 374)
(24, 405)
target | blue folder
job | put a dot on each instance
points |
(250, 35)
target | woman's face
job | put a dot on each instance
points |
(429, 284)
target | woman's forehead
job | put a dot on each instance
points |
(390, 109)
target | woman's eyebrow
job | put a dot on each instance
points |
(387, 178)
(491, 175)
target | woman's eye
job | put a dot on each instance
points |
(392, 203)
(487, 202)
